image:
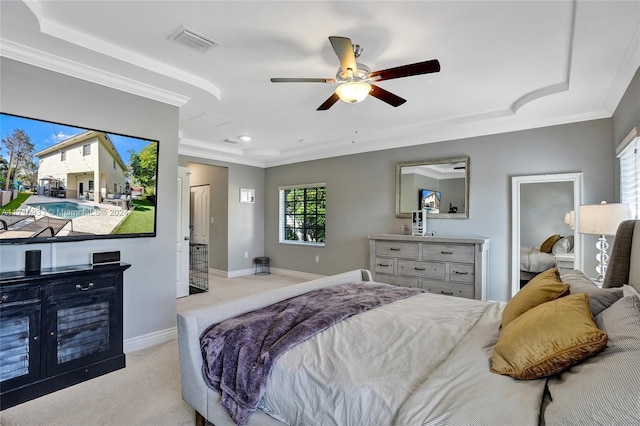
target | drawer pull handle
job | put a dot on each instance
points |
(446, 293)
(4, 298)
(420, 269)
(79, 287)
(446, 252)
(460, 273)
(382, 264)
(394, 249)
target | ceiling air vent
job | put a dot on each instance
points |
(193, 40)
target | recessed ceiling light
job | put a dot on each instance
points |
(245, 138)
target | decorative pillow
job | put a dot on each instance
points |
(599, 298)
(548, 339)
(563, 245)
(603, 389)
(547, 245)
(628, 290)
(544, 287)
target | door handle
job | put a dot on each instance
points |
(186, 238)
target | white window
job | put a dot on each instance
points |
(86, 149)
(303, 214)
(629, 153)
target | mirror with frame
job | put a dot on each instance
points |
(441, 186)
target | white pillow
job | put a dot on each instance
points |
(563, 245)
(628, 290)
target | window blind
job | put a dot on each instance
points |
(629, 155)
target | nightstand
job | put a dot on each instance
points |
(565, 262)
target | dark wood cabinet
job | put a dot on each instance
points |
(58, 328)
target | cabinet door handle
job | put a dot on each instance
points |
(4, 298)
(35, 337)
(79, 287)
(382, 264)
(461, 273)
(446, 293)
(420, 269)
(446, 252)
(394, 249)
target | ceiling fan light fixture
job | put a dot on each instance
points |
(353, 92)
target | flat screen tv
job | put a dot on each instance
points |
(429, 200)
(60, 182)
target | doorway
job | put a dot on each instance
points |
(521, 187)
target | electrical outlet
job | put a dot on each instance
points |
(246, 254)
(317, 258)
(211, 219)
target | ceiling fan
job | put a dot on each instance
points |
(356, 79)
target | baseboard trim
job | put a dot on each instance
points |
(151, 339)
(296, 274)
(239, 273)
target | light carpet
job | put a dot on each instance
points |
(147, 391)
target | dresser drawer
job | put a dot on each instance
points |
(80, 285)
(461, 272)
(449, 289)
(396, 249)
(422, 269)
(448, 252)
(395, 280)
(384, 265)
(10, 296)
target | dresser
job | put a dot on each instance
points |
(58, 327)
(452, 266)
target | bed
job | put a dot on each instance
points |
(427, 359)
(556, 250)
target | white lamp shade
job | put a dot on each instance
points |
(602, 219)
(353, 92)
(569, 219)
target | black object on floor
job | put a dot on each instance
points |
(262, 265)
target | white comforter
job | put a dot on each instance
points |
(419, 361)
(534, 260)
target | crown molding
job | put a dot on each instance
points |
(38, 58)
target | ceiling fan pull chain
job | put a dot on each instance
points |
(355, 130)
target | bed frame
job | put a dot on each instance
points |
(624, 268)
(191, 324)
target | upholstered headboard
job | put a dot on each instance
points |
(624, 262)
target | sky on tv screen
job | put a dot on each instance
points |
(44, 134)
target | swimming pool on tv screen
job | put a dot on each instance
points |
(66, 209)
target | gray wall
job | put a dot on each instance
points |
(240, 228)
(149, 291)
(542, 210)
(218, 179)
(625, 118)
(361, 193)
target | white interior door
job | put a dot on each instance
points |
(200, 206)
(182, 235)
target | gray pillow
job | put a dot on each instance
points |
(604, 389)
(599, 298)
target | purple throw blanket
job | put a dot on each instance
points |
(239, 352)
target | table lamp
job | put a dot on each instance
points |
(602, 219)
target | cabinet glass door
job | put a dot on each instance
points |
(82, 329)
(19, 345)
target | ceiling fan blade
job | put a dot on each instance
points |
(344, 49)
(386, 96)
(328, 103)
(303, 80)
(425, 67)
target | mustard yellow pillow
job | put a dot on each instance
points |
(547, 245)
(548, 339)
(544, 287)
